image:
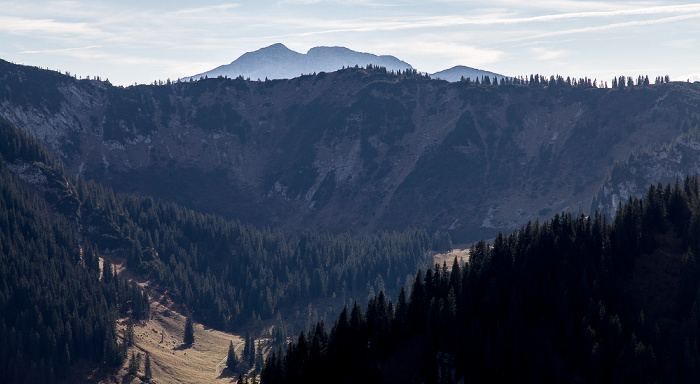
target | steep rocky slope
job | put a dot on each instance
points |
(350, 150)
(666, 164)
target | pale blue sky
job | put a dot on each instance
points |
(141, 41)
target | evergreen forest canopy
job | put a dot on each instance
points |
(573, 299)
(57, 307)
(566, 300)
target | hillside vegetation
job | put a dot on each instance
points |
(572, 299)
(60, 303)
(56, 308)
(353, 150)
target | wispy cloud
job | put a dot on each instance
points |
(331, 26)
(447, 53)
(541, 53)
(606, 27)
(369, 3)
(63, 50)
(149, 39)
(20, 25)
(207, 9)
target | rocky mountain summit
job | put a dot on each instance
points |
(279, 62)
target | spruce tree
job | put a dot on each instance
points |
(147, 374)
(133, 365)
(232, 361)
(189, 332)
(129, 339)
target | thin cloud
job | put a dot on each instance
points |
(207, 9)
(343, 2)
(609, 27)
(567, 5)
(405, 23)
(541, 53)
(449, 53)
(61, 50)
(19, 25)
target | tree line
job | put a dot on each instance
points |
(226, 273)
(558, 301)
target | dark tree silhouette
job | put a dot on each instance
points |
(188, 338)
(232, 359)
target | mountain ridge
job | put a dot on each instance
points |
(279, 62)
(357, 149)
(459, 72)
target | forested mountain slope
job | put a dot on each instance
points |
(56, 308)
(358, 149)
(572, 299)
(223, 272)
(660, 163)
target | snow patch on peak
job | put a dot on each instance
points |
(279, 62)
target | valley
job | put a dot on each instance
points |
(161, 336)
(263, 207)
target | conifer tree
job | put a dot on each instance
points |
(133, 365)
(232, 360)
(147, 374)
(129, 339)
(189, 332)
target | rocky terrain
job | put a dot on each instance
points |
(353, 150)
(666, 164)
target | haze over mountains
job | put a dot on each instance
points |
(279, 62)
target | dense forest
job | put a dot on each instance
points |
(56, 307)
(226, 273)
(573, 299)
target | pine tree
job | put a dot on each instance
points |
(251, 356)
(232, 360)
(147, 367)
(133, 365)
(129, 339)
(189, 332)
(259, 360)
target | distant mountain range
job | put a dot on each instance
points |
(279, 62)
(456, 73)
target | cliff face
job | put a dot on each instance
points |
(350, 150)
(664, 164)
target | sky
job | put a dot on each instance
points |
(140, 41)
